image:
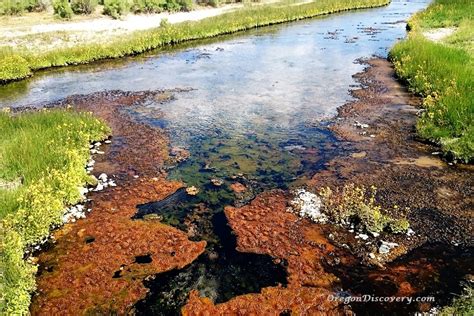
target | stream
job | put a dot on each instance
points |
(253, 108)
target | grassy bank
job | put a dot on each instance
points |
(16, 65)
(443, 73)
(42, 159)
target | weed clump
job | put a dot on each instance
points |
(62, 9)
(115, 8)
(358, 205)
(83, 6)
(462, 305)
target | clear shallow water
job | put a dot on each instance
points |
(256, 95)
(256, 114)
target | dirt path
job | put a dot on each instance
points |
(27, 34)
(439, 34)
(129, 23)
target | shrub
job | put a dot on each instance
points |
(461, 305)
(186, 5)
(357, 204)
(115, 8)
(147, 6)
(212, 3)
(13, 7)
(399, 226)
(172, 5)
(37, 5)
(164, 23)
(83, 6)
(62, 8)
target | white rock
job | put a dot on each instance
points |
(307, 204)
(107, 141)
(83, 191)
(386, 246)
(363, 236)
(97, 144)
(361, 125)
(383, 249)
(100, 152)
(371, 255)
(102, 177)
(112, 183)
(99, 187)
(93, 151)
(375, 234)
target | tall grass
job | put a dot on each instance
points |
(443, 73)
(26, 62)
(46, 151)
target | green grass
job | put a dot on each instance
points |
(443, 73)
(47, 150)
(26, 62)
(461, 305)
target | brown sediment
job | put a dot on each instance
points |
(97, 264)
(265, 227)
(386, 154)
(389, 155)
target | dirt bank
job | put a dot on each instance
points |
(97, 264)
(407, 172)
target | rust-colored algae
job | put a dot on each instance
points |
(265, 227)
(93, 266)
(377, 156)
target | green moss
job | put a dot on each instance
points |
(143, 41)
(48, 151)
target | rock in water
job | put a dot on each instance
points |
(307, 204)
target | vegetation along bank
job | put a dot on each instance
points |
(441, 69)
(15, 65)
(43, 155)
